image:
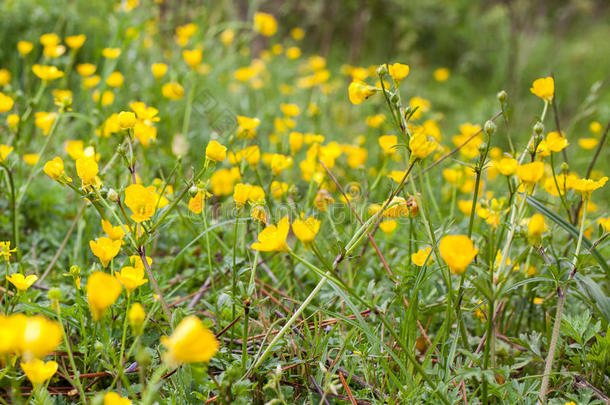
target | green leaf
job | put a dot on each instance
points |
(596, 294)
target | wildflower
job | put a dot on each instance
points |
(197, 202)
(191, 342)
(555, 141)
(115, 79)
(6, 103)
(24, 47)
(278, 189)
(397, 207)
(398, 71)
(290, 110)
(240, 194)
(227, 36)
(388, 226)
(273, 238)
(86, 69)
(538, 301)
(530, 173)
(158, 70)
(419, 105)
(603, 222)
(388, 143)
(535, 228)
(47, 73)
(37, 371)
(62, 98)
(111, 53)
(588, 143)
(5, 150)
(586, 186)
(215, 151)
(87, 169)
(265, 24)
(420, 146)
(20, 282)
(306, 230)
(112, 398)
(105, 249)
(172, 90)
(55, 169)
(507, 166)
(102, 291)
(247, 127)
(91, 81)
(127, 119)
(457, 251)
(441, 74)
(141, 201)
(192, 57)
(44, 121)
(419, 258)
(75, 41)
(252, 154)
(293, 52)
(136, 317)
(322, 199)
(359, 91)
(12, 120)
(297, 33)
(37, 336)
(113, 232)
(5, 250)
(131, 277)
(544, 88)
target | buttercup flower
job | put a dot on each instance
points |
(47, 73)
(421, 146)
(86, 69)
(87, 169)
(556, 142)
(306, 230)
(192, 57)
(6, 103)
(141, 201)
(136, 317)
(102, 291)
(191, 342)
(215, 151)
(37, 371)
(197, 202)
(105, 249)
(544, 88)
(112, 398)
(419, 258)
(507, 166)
(265, 23)
(273, 238)
(113, 232)
(388, 143)
(131, 277)
(441, 74)
(24, 47)
(21, 282)
(359, 91)
(158, 70)
(531, 173)
(5, 150)
(586, 186)
(111, 53)
(247, 126)
(44, 121)
(76, 41)
(5, 250)
(55, 169)
(127, 119)
(172, 90)
(457, 251)
(37, 337)
(398, 71)
(388, 226)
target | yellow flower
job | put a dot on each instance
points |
(102, 291)
(192, 57)
(290, 110)
(419, 258)
(265, 23)
(388, 226)
(141, 201)
(113, 232)
(136, 317)
(535, 228)
(5, 150)
(530, 173)
(544, 88)
(556, 142)
(588, 143)
(127, 119)
(396, 208)
(37, 336)
(86, 69)
(247, 127)
(227, 36)
(12, 120)
(5, 250)
(240, 194)
(258, 213)
(306, 230)
(420, 106)
(507, 166)
(388, 143)
(441, 74)
(105, 249)
(197, 202)
(278, 189)
(44, 121)
(322, 199)
(131, 277)
(91, 81)
(293, 52)
(115, 79)
(20, 282)
(375, 121)
(273, 238)
(76, 41)
(359, 91)
(191, 342)
(297, 33)
(24, 47)
(112, 398)
(111, 53)
(6, 103)
(457, 251)
(158, 70)
(55, 168)
(604, 223)
(47, 73)
(172, 90)
(37, 371)
(215, 151)
(586, 186)
(87, 169)
(421, 146)
(398, 71)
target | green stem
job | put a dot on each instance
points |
(76, 381)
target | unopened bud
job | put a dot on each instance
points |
(382, 70)
(113, 195)
(98, 346)
(193, 191)
(394, 98)
(482, 147)
(490, 128)
(538, 128)
(55, 294)
(565, 168)
(502, 96)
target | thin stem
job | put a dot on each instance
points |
(77, 381)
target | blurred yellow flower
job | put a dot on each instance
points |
(172, 91)
(31, 158)
(54, 168)
(141, 201)
(47, 73)
(265, 24)
(191, 342)
(457, 251)
(398, 71)
(21, 282)
(37, 371)
(421, 146)
(44, 121)
(536, 226)
(306, 230)
(86, 69)
(24, 47)
(215, 151)
(131, 277)
(158, 70)
(197, 202)
(115, 79)
(530, 173)
(192, 57)
(76, 41)
(441, 74)
(388, 143)
(136, 317)
(5, 150)
(588, 143)
(544, 88)
(419, 258)
(507, 166)
(87, 170)
(359, 91)
(112, 398)
(105, 249)
(273, 238)
(127, 119)
(37, 336)
(586, 186)
(6, 103)
(111, 53)
(388, 226)
(102, 291)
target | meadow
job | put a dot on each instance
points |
(271, 203)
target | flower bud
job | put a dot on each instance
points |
(538, 128)
(113, 195)
(127, 119)
(382, 70)
(74, 271)
(394, 98)
(55, 294)
(193, 190)
(98, 346)
(502, 96)
(490, 128)
(482, 147)
(565, 168)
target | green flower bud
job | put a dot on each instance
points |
(538, 128)
(490, 128)
(113, 195)
(502, 96)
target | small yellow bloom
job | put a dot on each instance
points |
(37, 371)
(131, 277)
(265, 24)
(102, 291)
(20, 282)
(306, 230)
(111, 53)
(556, 142)
(227, 36)
(536, 226)
(293, 52)
(113, 232)
(538, 301)
(197, 203)
(588, 143)
(247, 127)
(12, 120)
(322, 199)
(54, 168)
(258, 213)
(419, 258)
(5, 250)
(507, 166)
(112, 398)
(273, 238)
(87, 170)
(586, 186)
(544, 88)
(604, 223)
(141, 201)
(24, 47)
(441, 74)
(6, 103)
(86, 69)
(105, 249)
(398, 71)
(280, 162)
(115, 79)
(215, 151)
(531, 173)
(359, 91)
(76, 41)
(192, 57)
(421, 146)
(457, 251)
(388, 226)
(5, 150)
(37, 336)
(136, 317)
(191, 342)
(44, 121)
(172, 91)
(47, 73)
(159, 70)
(388, 143)
(127, 119)
(297, 33)
(595, 127)
(91, 81)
